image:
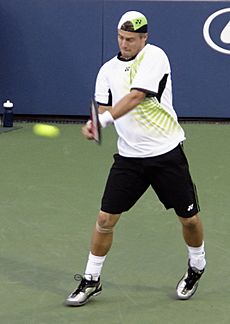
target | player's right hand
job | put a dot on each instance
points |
(87, 130)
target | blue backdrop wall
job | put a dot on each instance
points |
(51, 52)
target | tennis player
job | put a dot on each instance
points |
(134, 93)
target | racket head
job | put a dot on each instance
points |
(96, 127)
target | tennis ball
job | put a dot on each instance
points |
(46, 130)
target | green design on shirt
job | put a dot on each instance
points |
(150, 113)
(134, 67)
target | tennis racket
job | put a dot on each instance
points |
(96, 127)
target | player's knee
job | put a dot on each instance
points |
(190, 222)
(106, 222)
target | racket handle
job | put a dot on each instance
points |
(105, 119)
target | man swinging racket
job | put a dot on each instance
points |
(133, 91)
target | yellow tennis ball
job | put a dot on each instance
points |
(46, 130)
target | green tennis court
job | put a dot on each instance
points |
(50, 194)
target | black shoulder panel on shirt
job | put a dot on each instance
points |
(109, 100)
(161, 87)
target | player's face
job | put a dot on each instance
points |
(130, 43)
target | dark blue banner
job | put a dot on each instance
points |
(51, 52)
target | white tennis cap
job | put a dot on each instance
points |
(133, 21)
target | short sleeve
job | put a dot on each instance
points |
(153, 66)
(102, 90)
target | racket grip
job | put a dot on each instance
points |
(105, 119)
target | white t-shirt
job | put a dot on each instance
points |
(151, 128)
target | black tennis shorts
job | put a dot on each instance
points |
(168, 174)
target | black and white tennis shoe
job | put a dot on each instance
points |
(188, 284)
(86, 289)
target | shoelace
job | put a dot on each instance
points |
(83, 283)
(192, 278)
(78, 277)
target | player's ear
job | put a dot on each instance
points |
(146, 35)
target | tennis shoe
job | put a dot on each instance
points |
(188, 284)
(85, 290)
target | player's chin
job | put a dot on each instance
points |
(126, 54)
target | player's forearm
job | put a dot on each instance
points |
(102, 109)
(126, 104)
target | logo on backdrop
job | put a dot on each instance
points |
(222, 42)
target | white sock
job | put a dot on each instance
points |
(197, 256)
(94, 267)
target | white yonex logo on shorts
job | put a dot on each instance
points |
(190, 207)
(224, 35)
